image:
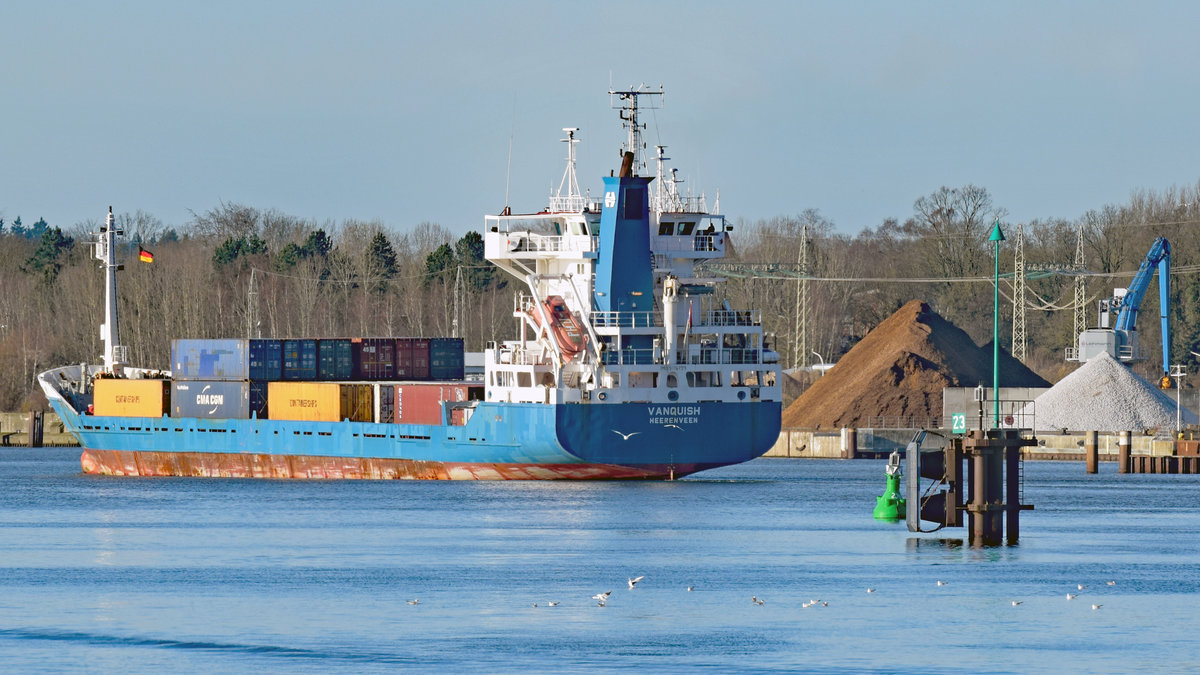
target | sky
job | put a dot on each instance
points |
(405, 112)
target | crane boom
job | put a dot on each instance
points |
(1158, 258)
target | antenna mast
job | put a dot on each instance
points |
(629, 106)
(573, 199)
(114, 353)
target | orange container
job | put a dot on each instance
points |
(130, 398)
(320, 401)
(304, 401)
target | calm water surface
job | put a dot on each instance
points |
(155, 575)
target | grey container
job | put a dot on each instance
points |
(215, 359)
(218, 399)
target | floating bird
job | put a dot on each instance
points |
(755, 600)
(414, 602)
(1017, 602)
(1097, 606)
(1081, 586)
(870, 590)
(824, 604)
(552, 603)
(1071, 596)
(691, 588)
(602, 596)
(1111, 583)
(806, 605)
(601, 603)
(634, 582)
(941, 583)
(535, 604)
(627, 436)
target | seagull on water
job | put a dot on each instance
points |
(825, 604)
(870, 590)
(1072, 596)
(1097, 606)
(755, 600)
(1017, 602)
(691, 588)
(1081, 586)
(634, 582)
(806, 605)
(627, 436)
(552, 603)
(414, 601)
(941, 583)
(1111, 583)
(602, 596)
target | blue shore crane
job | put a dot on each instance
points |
(1120, 338)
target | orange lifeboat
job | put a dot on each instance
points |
(563, 327)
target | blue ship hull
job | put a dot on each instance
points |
(499, 441)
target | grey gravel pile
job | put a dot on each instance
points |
(1104, 395)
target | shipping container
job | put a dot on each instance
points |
(258, 400)
(385, 403)
(422, 403)
(446, 358)
(300, 360)
(201, 359)
(374, 358)
(216, 399)
(412, 358)
(266, 360)
(358, 402)
(319, 401)
(129, 398)
(335, 360)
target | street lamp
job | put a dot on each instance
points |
(822, 362)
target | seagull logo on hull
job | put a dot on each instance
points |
(674, 415)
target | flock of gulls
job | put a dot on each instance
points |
(602, 598)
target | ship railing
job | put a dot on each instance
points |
(549, 243)
(569, 203)
(521, 357)
(612, 319)
(723, 317)
(710, 243)
(694, 356)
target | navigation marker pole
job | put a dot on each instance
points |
(996, 236)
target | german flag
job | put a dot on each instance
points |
(145, 256)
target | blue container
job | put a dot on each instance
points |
(445, 359)
(202, 359)
(300, 360)
(258, 400)
(215, 399)
(266, 360)
(335, 360)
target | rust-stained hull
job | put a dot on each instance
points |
(249, 465)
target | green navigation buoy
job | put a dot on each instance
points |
(890, 505)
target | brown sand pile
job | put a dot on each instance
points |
(899, 369)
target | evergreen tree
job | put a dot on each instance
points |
(439, 264)
(381, 261)
(47, 258)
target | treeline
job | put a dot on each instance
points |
(240, 271)
(946, 238)
(237, 271)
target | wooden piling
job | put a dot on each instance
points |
(1123, 452)
(1092, 448)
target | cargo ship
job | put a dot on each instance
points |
(625, 364)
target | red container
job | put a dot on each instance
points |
(374, 358)
(412, 358)
(422, 403)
